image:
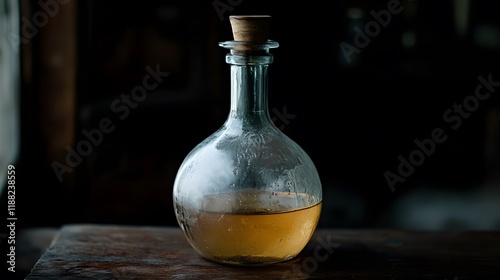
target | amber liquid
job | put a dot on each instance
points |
(254, 237)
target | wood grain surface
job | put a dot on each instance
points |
(91, 251)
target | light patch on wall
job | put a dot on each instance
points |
(461, 11)
(487, 36)
(355, 13)
(9, 87)
(408, 39)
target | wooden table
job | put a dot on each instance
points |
(86, 251)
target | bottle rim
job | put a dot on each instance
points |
(240, 45)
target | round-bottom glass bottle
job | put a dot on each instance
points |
(248, 194)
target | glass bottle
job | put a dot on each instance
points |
(248, 194)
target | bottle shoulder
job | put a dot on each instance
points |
(233, 158)
(259, 145)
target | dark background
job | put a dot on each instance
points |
(353, 118)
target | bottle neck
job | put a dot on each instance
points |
(249, 75)
(249, 90)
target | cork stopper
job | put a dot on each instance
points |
(250, 28)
